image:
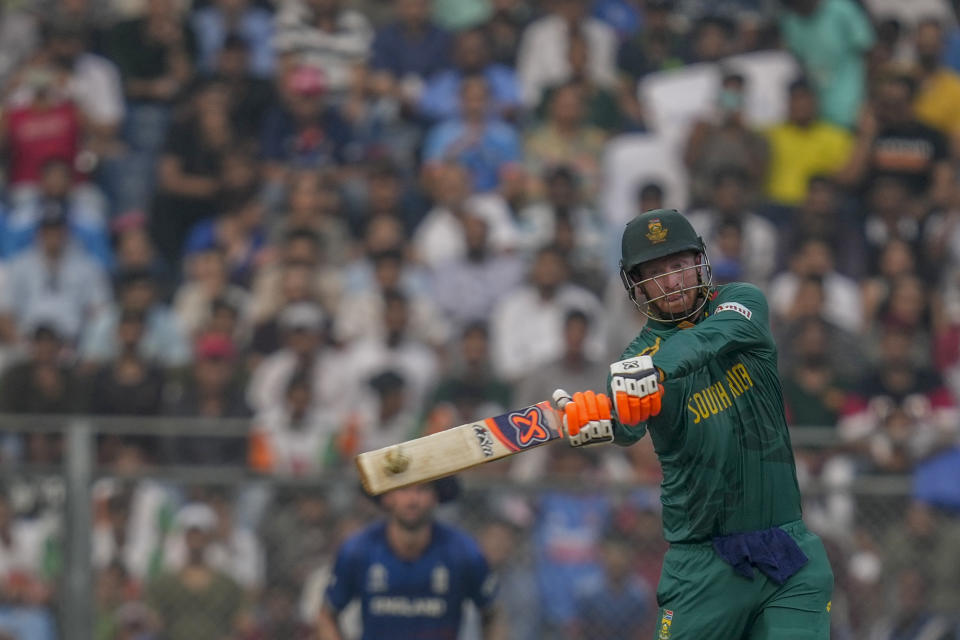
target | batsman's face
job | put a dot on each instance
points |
(670, 283)
(412, 507)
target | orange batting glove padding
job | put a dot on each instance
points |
(632, 410)
(586, 407)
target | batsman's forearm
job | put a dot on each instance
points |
(693, 348)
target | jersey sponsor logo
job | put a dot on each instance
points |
(716, 397)
(484, 440)
(376, 578)
(655, 231)
(440, 579)
(734, 306)
(401, 606)
(666, 624)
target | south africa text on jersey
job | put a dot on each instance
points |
(716, 398)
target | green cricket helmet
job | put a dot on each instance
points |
(655, 234)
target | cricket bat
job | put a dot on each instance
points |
(459, 448)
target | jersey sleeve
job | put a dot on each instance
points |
(739, 322)
(343, 581)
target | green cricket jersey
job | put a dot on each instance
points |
(721, 435)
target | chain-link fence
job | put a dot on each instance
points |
(132, 550)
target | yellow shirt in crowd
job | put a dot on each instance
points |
(800, 153)
(937, 103)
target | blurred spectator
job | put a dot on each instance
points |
(297, 438)
(712, 39)
(887, 220)
(297, 533)
(813, 257)
(360, 312)
(655, 47)
(439, 237)
(48, 126)
(466, 288)
(314, 204)
(127, 385)
(214, 23)
(649, 196)
(133, 249)
(397, 348)
(802, 147)
(19, 37)
(26, 547)
(624, 16)
(602, 103)
(527, 325)
(574, 369)
(387, 193)
(901, 413)
(86, 211)
(324, 35)
(542, 60)
(724, 140)
(250, 94)
(55, 280)
(923, 541)
(441, 97)
(468, 388)
(756, 259)
(912, 617)
(808, 333)
(505, 29)
(43, 383)
(233, 548)
(938, 86)
(302, 130)
(905, 305)
(299, 273)
(486, 146)
(812, 392)
(822, 215)
(386, 414)
(189, 169)
(565, 539)
(93, 83)
(163, 339)
(207, 281)
(831, 38)
(211, 389)
(408, 51)
(565, 138)
(238, 230)
(565, 217)
(197, 600)
(619, 603)
(303, 327)
(278, 616)
(891, 142)
(154, 53)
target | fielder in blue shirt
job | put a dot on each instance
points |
(411, 574)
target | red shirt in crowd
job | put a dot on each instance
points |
(36, 134)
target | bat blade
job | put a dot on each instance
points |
(458, 448)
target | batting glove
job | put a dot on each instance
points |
(636, 389)
(586, 417)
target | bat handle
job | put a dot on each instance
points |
(561, 398)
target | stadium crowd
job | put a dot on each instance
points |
(350, 223)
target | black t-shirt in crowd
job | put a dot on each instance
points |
(908, 151)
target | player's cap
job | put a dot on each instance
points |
(655, 234)
(197, 515)
(301, 315)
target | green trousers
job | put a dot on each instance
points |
(702, 598)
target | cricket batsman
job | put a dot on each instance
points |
(701, 378)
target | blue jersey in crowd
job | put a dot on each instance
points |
(420, 599)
